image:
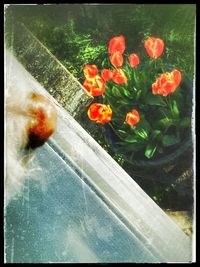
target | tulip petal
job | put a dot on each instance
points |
(176, 77)
(117, 44)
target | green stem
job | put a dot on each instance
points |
(135, 76)
(164, 114)
(162, 65)
(103, 98)
(115, 131)
(168, 101)
(155, 61)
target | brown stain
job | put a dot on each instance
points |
(43, 120)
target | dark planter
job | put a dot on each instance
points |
(173, 163)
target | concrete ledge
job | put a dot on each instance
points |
(47, 70)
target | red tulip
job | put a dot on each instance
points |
(132, 117)
(90, 71)
(134, 60)
(100, 113)
(167, 83)
(154, 47)
(117, 44)
(116, 59)
(106, 74)
(95, 86)
(119, 76)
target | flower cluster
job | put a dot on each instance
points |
(132, 91)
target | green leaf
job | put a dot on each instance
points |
(166, 122)
(123, 102)
(122, 133)
(142, 133)
(126, 92)
(156, 133)
(169, 140)
(138, 94)
(150, 150)
(130, 147)
(131, 139)
(175, 109)
(185, 122)
(155, 100)
(116, 91)
(144, 124)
